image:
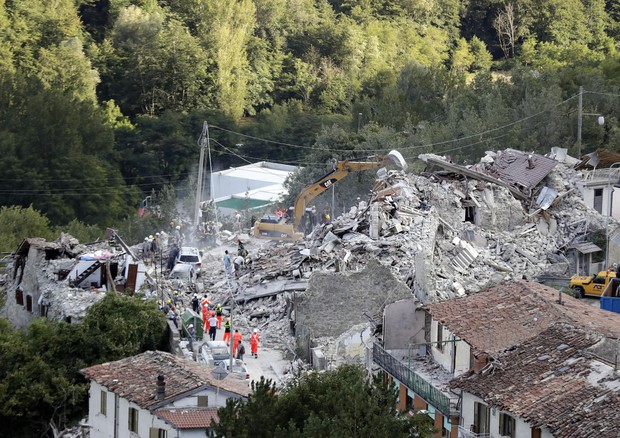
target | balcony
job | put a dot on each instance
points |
(464, 433)
(411, 380)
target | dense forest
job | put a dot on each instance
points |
(102, 101)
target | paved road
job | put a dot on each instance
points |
(270, 363)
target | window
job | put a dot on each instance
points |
(440, 337)
(133, 420)
(203, 401)
(598, 200)
(29, 303)
(19, 297)
(44, 310)
(408, 402)
(157, 433)
(599, 279)
(103, 403)
(470, 214)
(506, 425)
(481, 418)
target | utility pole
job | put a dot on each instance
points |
(579, 121)
(202, 142)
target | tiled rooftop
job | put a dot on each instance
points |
(134, 378)
(508, 314)
(552, 381)
(189, 418)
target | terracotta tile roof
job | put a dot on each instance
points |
(508, 314)
(513, 167)
(134, 378)
(552, 381)
(189, 418)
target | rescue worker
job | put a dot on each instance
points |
(237, 222)
(175, 296)
(237, 338)
(227, 331)
(240, 351)
(254, 341)
(218, 315)
(212, 327)
(195, 303)
(228, 266)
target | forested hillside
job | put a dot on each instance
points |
(102, 101)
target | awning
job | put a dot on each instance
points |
(586, 247)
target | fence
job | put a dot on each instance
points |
(409, 378)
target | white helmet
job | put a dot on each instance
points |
(178, 227)
(255, 330)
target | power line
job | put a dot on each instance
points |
(507, 125)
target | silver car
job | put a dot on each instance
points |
(191, 256)
(184, 277)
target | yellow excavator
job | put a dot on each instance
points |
(272, 226)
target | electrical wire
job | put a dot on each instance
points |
(411, 147)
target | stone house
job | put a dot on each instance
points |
(157, 394)
(467, 335)
(60, 281)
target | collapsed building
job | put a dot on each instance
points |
(60, 280)
(444, 233)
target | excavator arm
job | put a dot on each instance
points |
(341, 170)
(271, 228)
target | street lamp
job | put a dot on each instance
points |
(600, 120)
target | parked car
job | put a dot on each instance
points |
(214, 353)
(191, 256)
(184, 277)
(239, 367)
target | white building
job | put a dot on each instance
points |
(252, 186)
(156, 394)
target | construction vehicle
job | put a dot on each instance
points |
(592, 285)
(271, 226)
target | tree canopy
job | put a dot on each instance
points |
(339, 403)
(102, 101)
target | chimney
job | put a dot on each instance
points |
(161, 387)
(480, 361)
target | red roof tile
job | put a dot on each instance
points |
(552, 381)
(508, 314)
(134, 378)
(189, 418)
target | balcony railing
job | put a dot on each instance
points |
(409, 378)
(464, 433)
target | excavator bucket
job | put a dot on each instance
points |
(396, 157)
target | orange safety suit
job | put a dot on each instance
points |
(254, 340)
(237, 337)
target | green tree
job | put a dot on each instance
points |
(121, 326)
(18, 223)
(339, 403)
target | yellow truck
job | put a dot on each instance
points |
(592, 285)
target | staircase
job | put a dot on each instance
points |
(92, 268)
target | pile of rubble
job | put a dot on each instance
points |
(451, 232)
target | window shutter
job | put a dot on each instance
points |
(153, 432)
(502, 418)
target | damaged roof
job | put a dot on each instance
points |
(598, 159)
(510, 313)
(189, 418)
(521, 169)
(134, 378)
(552, 382)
